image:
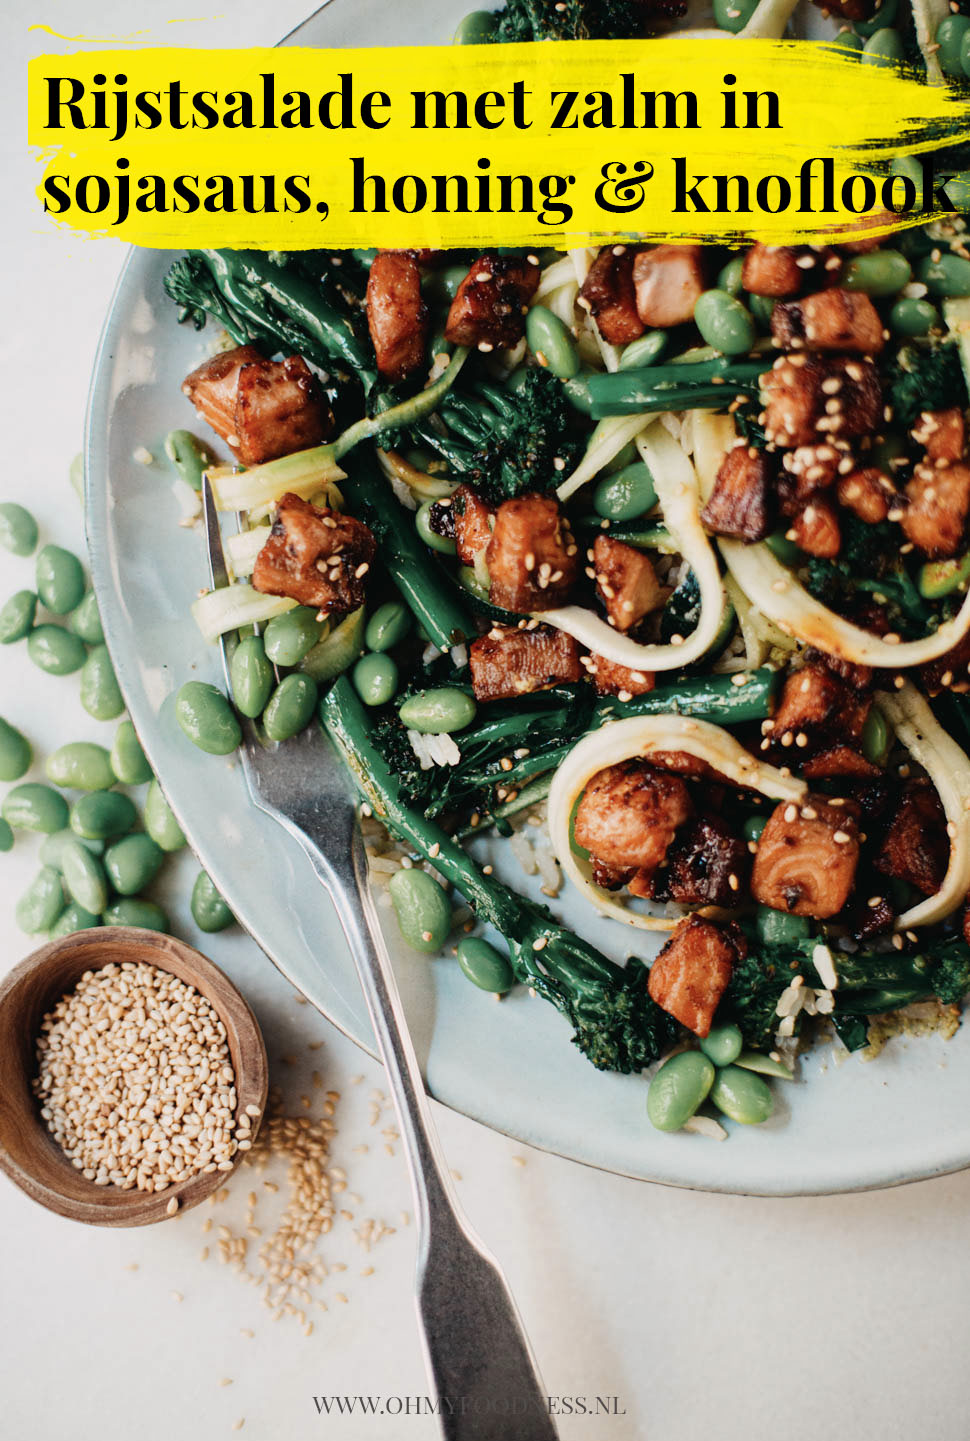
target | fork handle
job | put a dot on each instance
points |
(478, 1355)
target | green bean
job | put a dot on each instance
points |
(81, 765)
(625, 495)
(332, 655)
(84, 876)
(18, 528)
(55, 650)
(15, 752)
(876, 739)
(35, 807)
(146, 915)
(100, 693)
(41, 903)
(290, 637)
(910, 317)
(883, 15)
(880, 273)
(951, 32)
(6, 835)
(388, 626)
(436, 712)
(209, 910)
(733, 15)
(190, 457)
(85, 620)
(883, 47)
(375, 679)
(764, 1065)
(948, 277)
(250, 677)
(290, 708)
(484, 966)
(206, 717)
(741, 1094)
(422, 909)
(443, 543)
(133, 863)
(551, 342)
(645, 351)
(60, 579)
(477, 28)
(101, 814)
(578, 393)
(160, 822)
(17, 616)
(678, 1088)
(778, 928)
(724, 322)
(73, 918)
(729, 276)
(127, 757)
(52, 851)
(722, 1044)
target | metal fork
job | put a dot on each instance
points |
(478, 1356)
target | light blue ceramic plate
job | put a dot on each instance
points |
(839, 1128)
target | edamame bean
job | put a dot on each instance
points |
(41, 903)
(740, 1093)
(551, 342)
(849, 40)
(100, 693)
(884, 14)
(160, 822)
(290, 707)
(577, 392)
(625, 495)
(764, 1065)
(948, 277)
(422, 909)
(723, 1044)
(876, 737)
(334, 653)
(206, 717)
(484, 966)
(883, 47)
(733, 15)
(18, 528)
(388, 626)
(445, 544)
(146, 915)
(761, 307)
(250, 677)
(753, 826)
(85, 621)
(60, 579)
(477, 28)
(127, 757)
(965, 53)
(56, 650)
(729, 278)
(375, 679)
(909, 167)
(35, 807)
(434, 712)
(133, 863)
(52, 851)
(645, 351)
(958, 187)
(209, 910)
(910, 317)
(292, 635)
(724, 322)
(786, 550)
(778, 928)
(880, 273)
(6, 836)
(678, 1088)
(73, 918)
(941, 577)
(101, 814)
(84, 876)
(17, 616)
(469, 579)
(950, 35)
(189, 456)
(622, 459)
(15, 752)
(81, 765)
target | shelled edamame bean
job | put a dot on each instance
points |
(883, 47)
(437, 712)
(209, 910)
(85, 620)
(733, 15)
(6, 835)
(290, 707)
(881, 273)
(912, 317)
(948, 277)
(135, 912)
(679, 1087)
(73, 918)
(724, 322)
(626, 494)
(645, 351)
(206, 717)
(742, 1095)
(82, 766)
(15, 752)
(484, 966)
(52, 851)
(100, 814)
(127, 757)
(41, 903)
(35, 807)
(60, 579)
(189, 456)
(388, 626)
(132, 863)
(160, 822)
(17, 616)
(18, 529)
(100, 693)
(375, 679)
(422, 909)
(56, 650)
(722, 1044)
(84, 876)
(251, 677)
(951, 33)
(291, 636)
(551, 342)
(477, 28)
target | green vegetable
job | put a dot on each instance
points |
(101, 814)
(753, 827)
(336, 651)
(941, 577)
(948, 276)
(877, 738)
(388, 626)
(911, 318)
(775, 928)
(577, 393)
(705, 384)
(127, 757)
(290, 708)
(522, 20)
(206, 717)
(883, 47)
(477, 28)
(73, 918)
(484, 966)
(422, 909)
(6, 836)
(678, 1088)
(880, 273)
(55, 650)
(133, 863)
(723, 1044)
(290, 637)
(160, 822)
(848, 40)
(626, 494)
(52, 851)
(189, 456)
(729, 277)
(761, 307)
(437, 712)
(965, 54)
(85, 620)
(375, 679)
(951, 33)
(35, 807)
(84, 876)
(18, 528)
(60, 579)
(100, 693)
(82, 766)
(551, 342)
(209, 910)
(924, 377)
(741, 1094)
(250, 677)
(444, 544)
(17, 616)
(15, 752)
(41, 903)
(645, 351)
(146, 915)
(884, 14)
(733, 15)
(764, 1065)
(724, 322)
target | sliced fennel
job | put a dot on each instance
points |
(233, 606)
(606, 441)
(336, 651)
(303, 474)
(416, 407)
(243, 548)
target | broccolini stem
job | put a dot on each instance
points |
(710, 384)
(416, 407)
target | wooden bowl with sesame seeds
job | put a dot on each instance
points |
(30, 1155)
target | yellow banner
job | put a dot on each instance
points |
(553, 144)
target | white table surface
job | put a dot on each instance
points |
(705, 1315)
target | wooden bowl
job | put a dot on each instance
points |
(28, 1153)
